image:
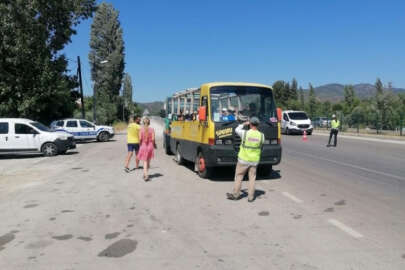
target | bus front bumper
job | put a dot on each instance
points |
(226, 155)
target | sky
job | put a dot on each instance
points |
(172, 45)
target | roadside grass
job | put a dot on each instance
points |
(120, 126)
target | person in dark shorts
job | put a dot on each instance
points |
(132, 141)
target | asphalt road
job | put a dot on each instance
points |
(322, 208)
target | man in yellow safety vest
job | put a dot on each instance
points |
(334, 130)
(248, 158)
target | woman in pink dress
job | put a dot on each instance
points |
(146, 146)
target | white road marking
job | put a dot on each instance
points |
(292, 197)
(345, 228)
(355, 166)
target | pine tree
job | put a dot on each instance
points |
(312, 101)
(379, 98)
(127, 92)
(294, 89)
(107, 60)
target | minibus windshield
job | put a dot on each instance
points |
(231, 103)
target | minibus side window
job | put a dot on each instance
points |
(204, 103)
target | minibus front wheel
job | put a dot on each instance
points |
(201, 168)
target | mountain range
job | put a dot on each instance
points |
(334, 91)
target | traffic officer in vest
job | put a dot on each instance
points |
(248, 158)
(334, 130)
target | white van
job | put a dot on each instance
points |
(19, 135)
(296, 122)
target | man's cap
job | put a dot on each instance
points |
(333, 115)
(224, 109)
(254, 121)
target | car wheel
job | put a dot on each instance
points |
(200, 166)
(103, 137)
(179, 158)
(49, 149)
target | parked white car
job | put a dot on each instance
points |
(19, 135)
(83, 130)
(296, 122)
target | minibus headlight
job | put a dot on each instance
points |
(218, 142)
(266, 141)
(273, 141)
(293, 123)
(228, 142)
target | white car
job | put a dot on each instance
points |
(19, 135)
(83, 130)
(296, 122)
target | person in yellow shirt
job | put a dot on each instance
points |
(133, 141)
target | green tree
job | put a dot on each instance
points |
(302, 100)
(34, 82)
(379, 99)
(127, 92)
(278, 88)
(294, 89)
(312, 101)
(349, 99)
(107, 61)
(401, 111)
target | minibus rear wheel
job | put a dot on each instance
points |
(179, 158)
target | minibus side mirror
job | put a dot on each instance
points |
(279, 113)
(202, 113)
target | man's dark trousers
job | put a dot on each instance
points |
(333, 132)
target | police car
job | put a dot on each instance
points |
(19, 135)
(83, 130)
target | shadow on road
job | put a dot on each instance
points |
(20, 156)
(258, 193)
(33, 155)
(155, 175)
(70, 153)
(228, 174)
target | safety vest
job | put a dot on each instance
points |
(251, 146)
(335, 123)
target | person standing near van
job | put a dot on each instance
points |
(147, 145)
(335, 124)
(248, 158)
(132, 141)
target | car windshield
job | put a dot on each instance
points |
(298, 116)
(40, 126)
(230, 103)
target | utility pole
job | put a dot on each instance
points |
(79, 71)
